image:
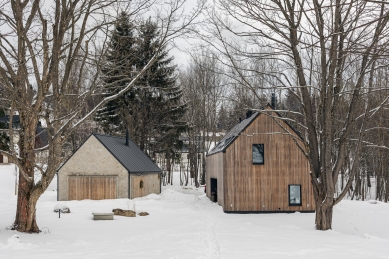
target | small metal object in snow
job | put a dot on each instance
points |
(59, 214)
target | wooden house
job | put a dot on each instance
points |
(258, 167)
(108, 167)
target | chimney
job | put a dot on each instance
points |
(127, 142)
(249, 113)
(273, 100)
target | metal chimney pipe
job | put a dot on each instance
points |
(273, 100)
(127, 141)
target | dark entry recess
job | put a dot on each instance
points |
(214, 189)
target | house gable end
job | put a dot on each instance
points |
(95, 152)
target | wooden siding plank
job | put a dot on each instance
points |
(151, 184)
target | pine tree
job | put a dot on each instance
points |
(117, 73)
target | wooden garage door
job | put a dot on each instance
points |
(92, 187)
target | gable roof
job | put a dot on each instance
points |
(233, 134)
(131, 157)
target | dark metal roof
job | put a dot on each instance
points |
(131, 156)
(232, 134)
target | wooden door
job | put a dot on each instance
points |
(92, 187)
(1, 159)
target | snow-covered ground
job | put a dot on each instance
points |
(183, 223)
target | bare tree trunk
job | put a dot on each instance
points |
(172, 170)
(181, 175)
(386, 190)
(187, 171)
(25, 220)
(168, 167)
(363, 189)
(202, 181)
(323, 218)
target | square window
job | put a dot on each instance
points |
(258, 154)
(294, 195)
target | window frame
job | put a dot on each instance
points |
(263, 154)
(301, 198)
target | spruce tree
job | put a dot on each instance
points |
(152, 109)
(117, 73)
(155, 104)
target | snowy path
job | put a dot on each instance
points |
(183, 223)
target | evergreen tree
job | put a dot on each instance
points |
(118, 71)
(155, 106)
(152, 109)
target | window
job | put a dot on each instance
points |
(294, 195)
(258, 154)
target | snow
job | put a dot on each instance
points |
(63, 207)
(183, 223)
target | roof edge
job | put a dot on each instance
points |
(259, 113)
(222, 150)
(59, 168)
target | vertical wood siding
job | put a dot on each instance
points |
(90, 187)
(151, 184)
(249, 187)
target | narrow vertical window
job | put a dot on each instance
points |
(294, 195)
(258, 154)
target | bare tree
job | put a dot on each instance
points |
(326, 53)
(203, 86)
(43, 43)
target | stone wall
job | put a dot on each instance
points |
(92, 159)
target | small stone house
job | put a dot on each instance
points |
(108, 167)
